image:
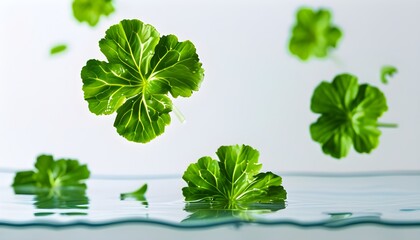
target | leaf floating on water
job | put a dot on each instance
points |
(233, 182)
(138, 195)
(50, 173)
(56, 184)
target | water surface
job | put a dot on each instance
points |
(389, 199)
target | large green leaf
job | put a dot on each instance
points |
(313, 34)
(349, 116)
(142, 69)
(234, 182)
(90, 11)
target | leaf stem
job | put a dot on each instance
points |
(178, 114)
(387, 125)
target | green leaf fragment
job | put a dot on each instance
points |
(58, 49)
(90, 11)
(313, 34)
(349, 116)
(142, 69)
(387, 71)
(138, 195)
(50, 173)
(233, 182)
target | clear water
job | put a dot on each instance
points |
(390, 199)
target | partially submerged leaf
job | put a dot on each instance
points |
(142, 69)
(56, 184)
(138, 195)
(313, 34)
(387, 71)
(90, 11)
(233, 182)
(349, 116)
(50, 173)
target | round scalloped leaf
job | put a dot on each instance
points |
(349, 116)
(313, 34)
(142, 69)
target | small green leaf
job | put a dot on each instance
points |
(233, 182)
(387, 71)
(138, 195)
(90, 11)
(313, 34)
(58, 49)
(142, 69)
(50, 173)
(349, 116)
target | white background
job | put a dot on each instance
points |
(254, 91)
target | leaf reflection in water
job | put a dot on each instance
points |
(64, 197)
(217, 211)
